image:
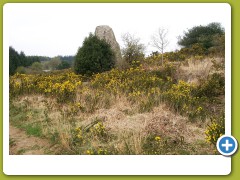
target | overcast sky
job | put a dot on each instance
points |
(59, 29)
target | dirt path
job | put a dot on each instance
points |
(21, 143)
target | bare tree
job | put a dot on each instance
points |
(159, 40)
(133, 50)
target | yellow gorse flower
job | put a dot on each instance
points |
(61, 85)
(215, 130)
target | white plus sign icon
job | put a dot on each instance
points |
(227, 145)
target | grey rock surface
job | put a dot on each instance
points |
(106, 32)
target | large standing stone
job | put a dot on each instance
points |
(105, 32)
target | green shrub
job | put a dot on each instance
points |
(95, 56)
(37, 66)
(167, 73)
(212, 87)
(203, 35)
(21, 70)
(63, 65)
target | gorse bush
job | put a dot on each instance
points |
(131, 81)
(215, 129)
(182, 99)
(175, 56)
(179, 94)
(95, 56)
(148, 89)
(82, 137)
(212, 87)
(62, 86)
(168, 71)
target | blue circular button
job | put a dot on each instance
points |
(227, 145)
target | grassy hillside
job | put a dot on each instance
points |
(177, 108)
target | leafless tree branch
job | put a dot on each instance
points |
(159, 40)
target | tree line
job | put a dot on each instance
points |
(96, 56)
(19, 62)
(19, 59)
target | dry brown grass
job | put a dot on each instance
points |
(129, 127)
(193, 70)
